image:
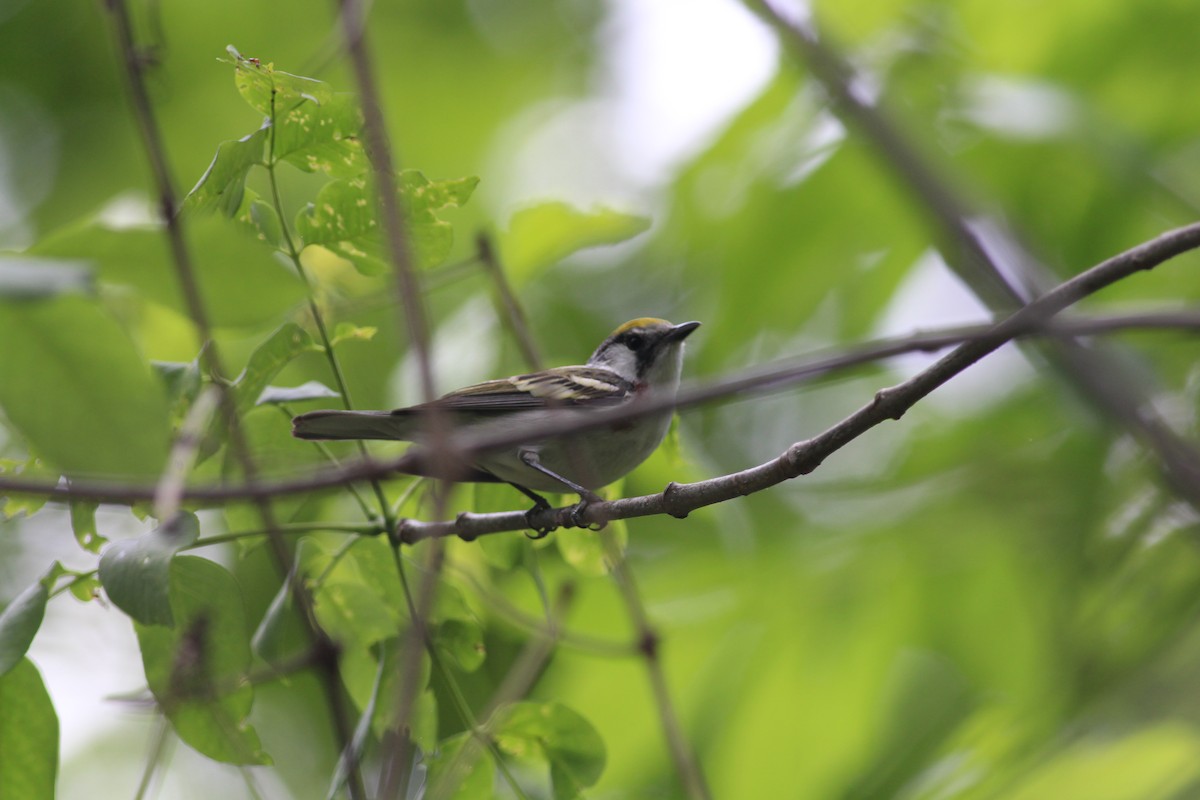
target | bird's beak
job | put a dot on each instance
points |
(680, 332)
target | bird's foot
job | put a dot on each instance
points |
(535, 531)
(576, 512)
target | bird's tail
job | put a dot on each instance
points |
(331, 424)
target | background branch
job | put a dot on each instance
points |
(143, 111)
(1098, 377)
(771, 377)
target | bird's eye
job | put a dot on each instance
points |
(635, 341)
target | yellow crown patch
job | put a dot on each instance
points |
(641, 322)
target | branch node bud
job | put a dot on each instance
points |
(461, 528)
(673, 502)
(648, 644)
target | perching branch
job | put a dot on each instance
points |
(679, 500)
(771, 377)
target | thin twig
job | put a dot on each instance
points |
(293, 255)
(514, 313)
(515, 685)
(155, 150)
(183, 453)
(770, 377)
(379, 151)
(384, 169)
(1100, 378)
(682, 754)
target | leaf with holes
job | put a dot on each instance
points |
(322, 137)
(83, 524)
(344, 219)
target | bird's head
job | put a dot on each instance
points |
(645, 351)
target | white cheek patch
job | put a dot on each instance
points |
(622, 361)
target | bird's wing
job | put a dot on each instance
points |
(552, 388)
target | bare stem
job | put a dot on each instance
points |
(648, 645)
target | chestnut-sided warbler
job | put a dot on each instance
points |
(643, 356)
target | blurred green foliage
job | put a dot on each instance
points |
(992, 598)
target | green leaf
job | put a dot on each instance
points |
(547, 233)
(930, 700)
(83, 524)
(1159, 761)
(85, 587)
(587, 552)
(270, 640)
(260, 219)
(284, 344)
(14, 505)
(424, 724)
(430, 237)
(28, 735)
(360, 665)
(554, 733)
(27, 278)
(78, 389)
(182, 381)
(422, 197)
(136, 572)
(462, 641)
(502, 552)
(19, 623)
(471, 777)
(268, 636)
(347, 331)
(222, 186)
(343, 211)
(352, 612)
(226, 255)
(196, 670)
(310, 390)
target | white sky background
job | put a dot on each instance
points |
(673, 74)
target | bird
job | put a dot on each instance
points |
(640, 358)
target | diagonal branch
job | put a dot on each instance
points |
(143, 111)
(1097, 375)
(679, 500)
(771, 377)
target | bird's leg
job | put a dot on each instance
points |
(586, 496)
(539, 504)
